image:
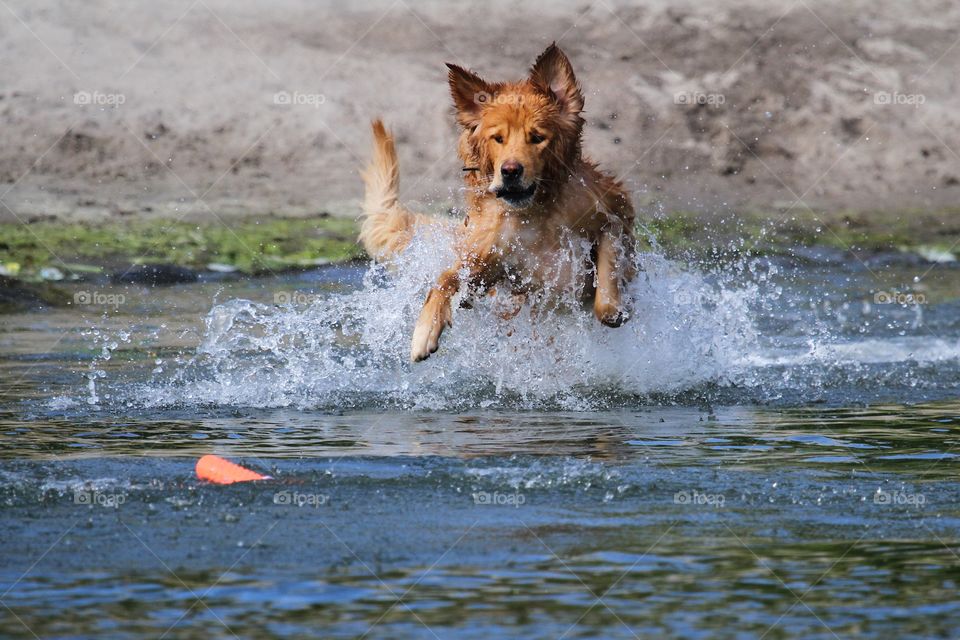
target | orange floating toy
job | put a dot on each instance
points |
(219, 471)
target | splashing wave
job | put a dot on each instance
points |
(351, 350)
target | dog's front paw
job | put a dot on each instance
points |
(611, 315)
(426, 340)
(434, 318)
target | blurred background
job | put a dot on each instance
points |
(836, 120)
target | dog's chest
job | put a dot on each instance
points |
(536, 256)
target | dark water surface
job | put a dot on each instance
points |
(804, 486)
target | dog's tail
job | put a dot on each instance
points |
(386, 227)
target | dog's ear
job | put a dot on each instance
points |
(470, 93)
(553, 73)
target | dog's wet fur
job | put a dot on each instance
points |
(528, 186)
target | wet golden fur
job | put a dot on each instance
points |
(527, 186)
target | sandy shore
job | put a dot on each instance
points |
(216, 107)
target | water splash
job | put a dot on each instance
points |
(96, 370)
(352, 350)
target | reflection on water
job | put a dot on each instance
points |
(735, 588)
(672, 521)
(754, 437)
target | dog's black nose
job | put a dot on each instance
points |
(511, 170)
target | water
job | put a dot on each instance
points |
(762, 451)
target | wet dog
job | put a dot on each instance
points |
(529, 188)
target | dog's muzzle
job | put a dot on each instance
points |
(516, 195)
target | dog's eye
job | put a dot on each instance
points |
(498, 139)
(536, 138)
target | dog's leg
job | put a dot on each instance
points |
(437, 314)
(607, 302)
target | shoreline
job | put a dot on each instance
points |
(255, 246)
(37, 260)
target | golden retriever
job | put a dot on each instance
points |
(528, 188)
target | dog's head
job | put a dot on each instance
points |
(523, 137)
